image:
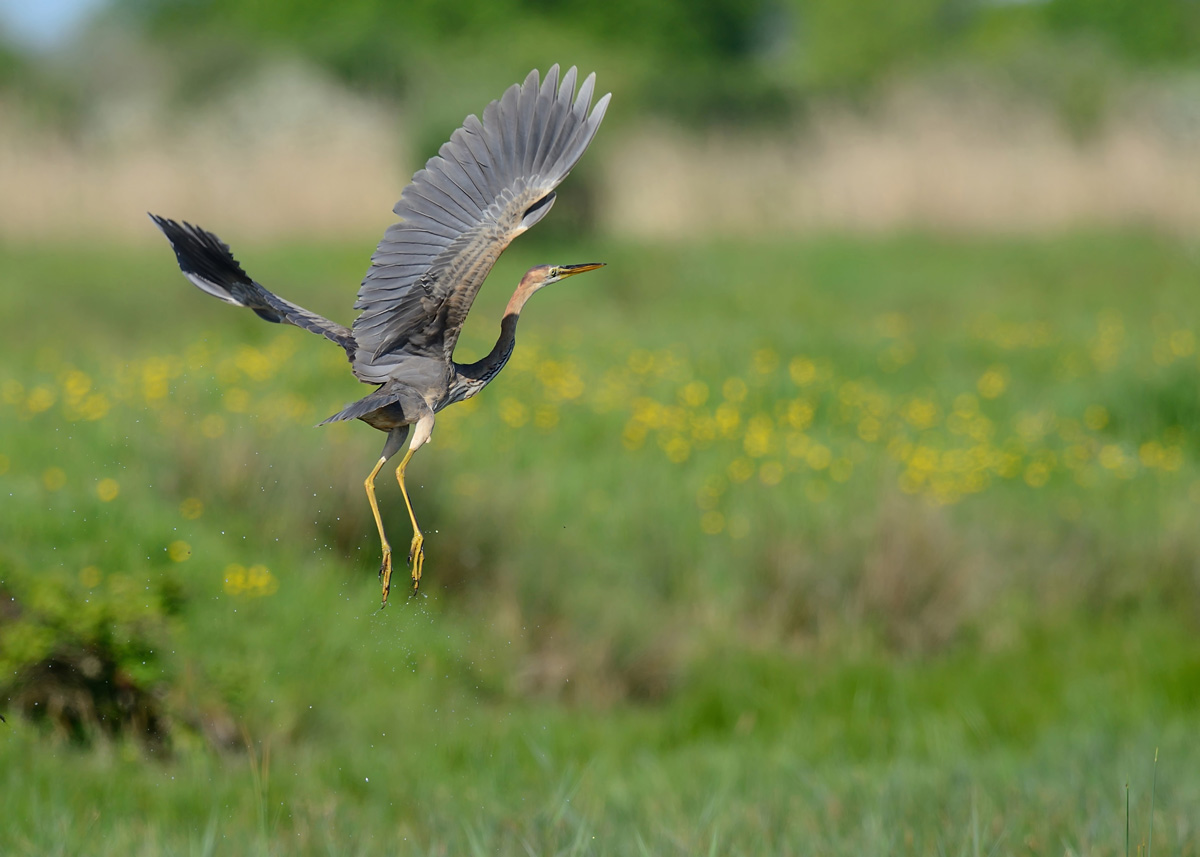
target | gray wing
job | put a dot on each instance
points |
(493, 180)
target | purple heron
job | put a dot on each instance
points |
(493, 180)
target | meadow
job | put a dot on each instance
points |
(836, 546)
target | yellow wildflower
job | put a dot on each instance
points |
(1037, 474)
(765, 361)
(212, 426)
(734, 390)
(771, 473)
(40, 399)
(920, 413)
(740, 469)
(107, 490)
(818, 456)
(760, 437)
(191, 508)
(694, 394)
(90, 576)
(993, 382)
(678, 450)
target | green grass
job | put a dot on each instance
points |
(840, 546)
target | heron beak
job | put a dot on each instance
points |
(565, 271)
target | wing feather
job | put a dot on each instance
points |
(560, 123)
(478, 160)
(461, 211)
(542, 125)
(463, 180)
(457, 201)
(525, 128)
(434, 219)
(510, 139)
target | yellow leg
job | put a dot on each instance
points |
(416, 553)
(385, 570)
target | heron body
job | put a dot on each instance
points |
(492, 181)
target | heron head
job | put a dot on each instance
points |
(561, 272)
(544, 275)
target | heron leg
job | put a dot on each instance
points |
(385, 569)
(394, 441)
(416, 552)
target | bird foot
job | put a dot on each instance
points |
(416, 558)
(385, 574)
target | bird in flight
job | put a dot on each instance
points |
(493, 180)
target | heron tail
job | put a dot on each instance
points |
(381, 398)
(209, 265)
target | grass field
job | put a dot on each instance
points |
(843, 546)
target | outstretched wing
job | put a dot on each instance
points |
(493, 180)
(208, 263)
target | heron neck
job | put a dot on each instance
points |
(473, 377)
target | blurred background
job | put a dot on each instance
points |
(851, 509)
(957, 116)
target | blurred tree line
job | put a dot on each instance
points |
(694, 60)
(700, 62)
